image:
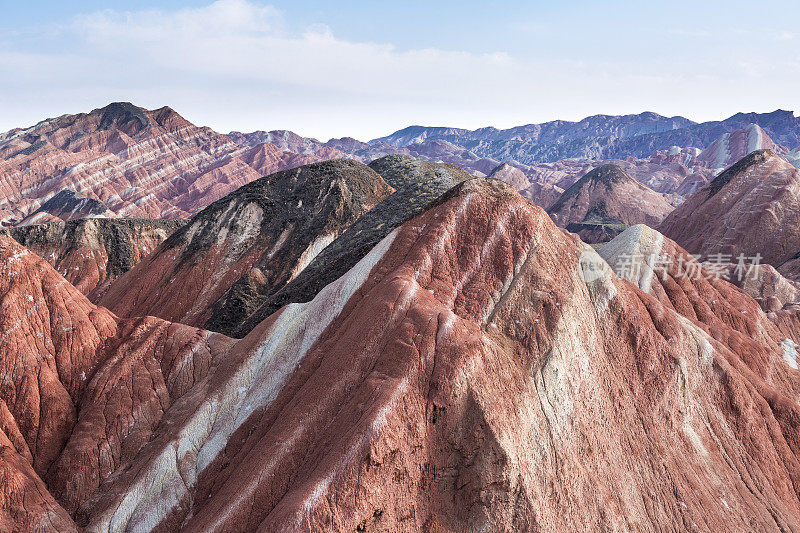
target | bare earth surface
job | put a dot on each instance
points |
(91, 253)
(752, 207)
(128, 162)
(477, 369)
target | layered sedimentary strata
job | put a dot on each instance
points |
(81, 391)
(242, 248)
(417, 185)
(605, 201)
(91, 253)
(126, 161)
(753, 207)
(477, 369)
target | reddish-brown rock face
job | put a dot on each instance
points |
(91, 253)
(81, 390)
(599, 205)
(542, 194)
(479, 369)
(752, 207)
(765, 284)
(218, 268)
(128, 160)
(733, 146)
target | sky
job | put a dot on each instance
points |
(366, 69)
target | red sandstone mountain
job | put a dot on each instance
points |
(542, 194)
(131, 161)
(66, 205)
(640, 254)
(219, 267)
(600, 204)
(752, 207)
(81, 391)
(733, 146)
(91, 253)
(477, 369)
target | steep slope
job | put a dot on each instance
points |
(133, 161)
(667, 171)
(82, 391)
(66, 205)
(602, 202)
(756, 198)
(417, 185)
(733, 146)
(466, 375)
(93, 252)
(511, 175)
(767, 286)
(647, 258)
(542, 194)
(477, 369)
(245, 246)
(794, 157)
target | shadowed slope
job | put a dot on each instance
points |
(91, 253)
(417, 183)
(756, 198)
(467, 374)
(220, 267)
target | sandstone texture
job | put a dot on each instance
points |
(218, 268)
(91, 253)
(82, 391)
(477, 369)
(751, 208)
(606, 200)
(126, 161)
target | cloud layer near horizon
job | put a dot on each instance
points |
(236, 64)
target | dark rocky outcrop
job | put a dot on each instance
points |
(93, 252)
(417, 184)
(230, 257)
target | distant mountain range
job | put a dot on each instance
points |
(599, 136)
(594, 138)
(399, 346)
(659, 151)
(125, 161)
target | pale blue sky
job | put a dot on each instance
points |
(365, 69)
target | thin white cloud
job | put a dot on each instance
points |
(244, 41)
(238, 64)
